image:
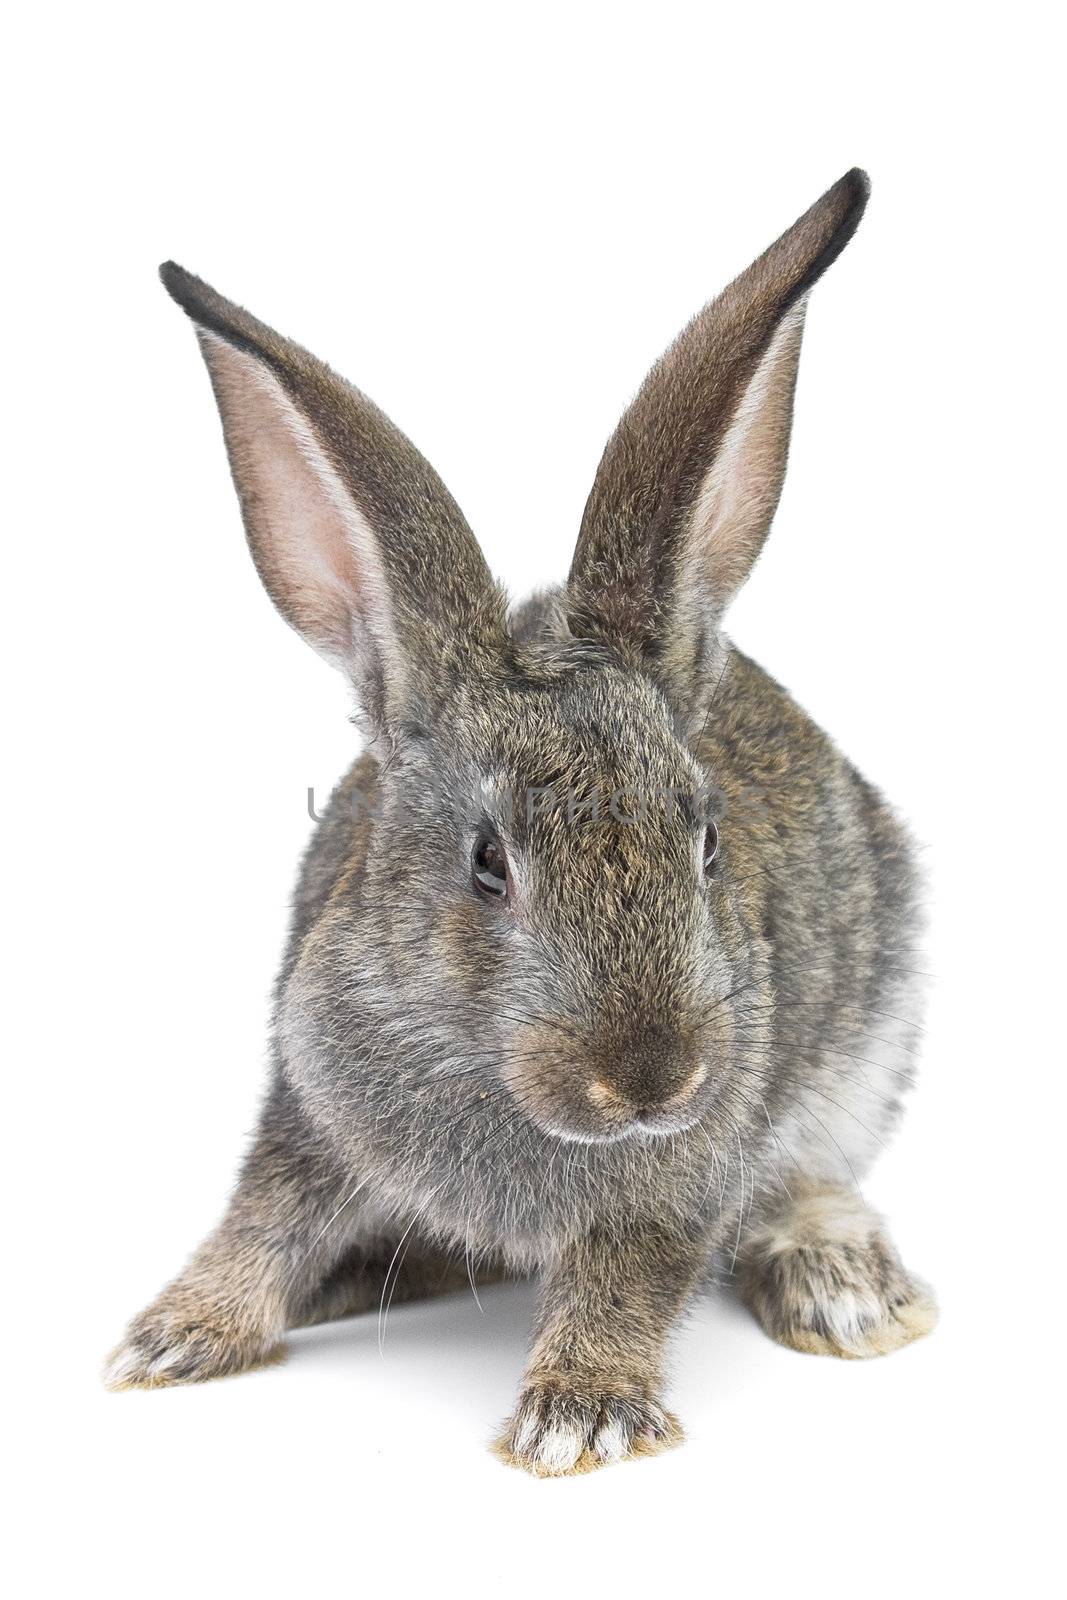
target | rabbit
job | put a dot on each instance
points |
(602, 962)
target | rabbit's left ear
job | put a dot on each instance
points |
(689, 481)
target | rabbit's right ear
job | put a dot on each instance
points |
(358, 542)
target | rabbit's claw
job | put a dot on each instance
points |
(558, 1430)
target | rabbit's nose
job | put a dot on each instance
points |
(652, 1070)
(606, 1097)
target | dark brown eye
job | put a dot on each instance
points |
(489, 869)
(711, 847)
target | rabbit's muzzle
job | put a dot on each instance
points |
(647, 1078)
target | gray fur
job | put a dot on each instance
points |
(627, 1069)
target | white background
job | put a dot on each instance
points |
(493, 219)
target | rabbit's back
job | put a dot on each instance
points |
(828, 872)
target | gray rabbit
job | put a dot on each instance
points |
(602, 958)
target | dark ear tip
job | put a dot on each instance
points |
(854, 190)
(829, 225)
(207, 308)
(182, 286)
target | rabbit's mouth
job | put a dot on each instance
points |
(640, 1122)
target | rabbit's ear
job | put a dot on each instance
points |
(357, 540)
(689, 481)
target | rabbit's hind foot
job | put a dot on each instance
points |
(178, 1340)
(163, 1348)
(822, 1276)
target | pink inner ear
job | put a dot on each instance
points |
(312, 546)
(741, 489)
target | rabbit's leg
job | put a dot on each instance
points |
(281, 1234)
(822, 1276)
(367, 1274)
(591, 1390)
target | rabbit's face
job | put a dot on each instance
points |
(589, 926)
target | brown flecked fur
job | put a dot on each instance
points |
(823, 1277)
(618, 1055)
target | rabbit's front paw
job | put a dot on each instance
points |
(560, 1428)
(173, 1342)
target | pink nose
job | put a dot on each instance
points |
(607, 1098)
(650, 1068)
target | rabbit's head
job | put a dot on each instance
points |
(551, 864)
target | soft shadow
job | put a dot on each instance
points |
(449, 1346)
(449, 1338)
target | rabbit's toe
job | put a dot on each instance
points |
(163, 1348)
(559, 1430)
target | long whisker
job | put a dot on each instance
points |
(329, 1224)
(741, 1212)
(756, 1048)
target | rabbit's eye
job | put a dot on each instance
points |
(489, 869)
(711, 847)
